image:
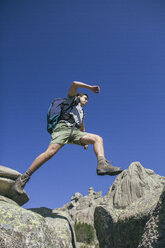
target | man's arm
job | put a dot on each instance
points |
(75, 85)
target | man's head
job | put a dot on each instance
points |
(83, 98)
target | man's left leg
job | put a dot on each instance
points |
(103, 166)
(37, 163)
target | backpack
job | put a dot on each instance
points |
(55, 111)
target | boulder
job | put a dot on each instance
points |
(133, 184)
(7, 180)
(5, 199)
(8, 173)
(81, 208)
(24, 228)
(134, 204)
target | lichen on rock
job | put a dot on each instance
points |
(23, 228)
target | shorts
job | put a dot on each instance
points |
(62, 132)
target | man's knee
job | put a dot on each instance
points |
(52, 150)
(91, 139)
(98, 138)
(95, 138)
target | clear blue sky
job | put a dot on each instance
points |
(118, 45)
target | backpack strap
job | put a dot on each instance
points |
(71, 133)
(69, 118)
(70, 105)
(64, 114)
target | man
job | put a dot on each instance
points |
(62, 135)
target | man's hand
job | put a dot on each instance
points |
(86, 147)
(95, 88)
(75, 85)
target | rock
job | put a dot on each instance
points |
(8, 173)
(132, 184)
(43, 211)
(76, 197)
(154, 231)
(7, 180)
(24, 228)
(7, 190)
(81, 208)
(130, 217)
(5, 199)
(82, 245)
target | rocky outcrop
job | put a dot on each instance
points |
(20, 228)
(7, 192)
(154, 232)
(134, 214)
(81, 208)
(131, 215)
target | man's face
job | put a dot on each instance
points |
(83, 100)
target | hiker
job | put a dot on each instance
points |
(70, 130)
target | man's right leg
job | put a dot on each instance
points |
(40, 160)
(103, 166)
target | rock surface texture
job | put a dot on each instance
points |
(20, 228)
(131, 215)
(7, 192)
(81, 208)
(134, 214)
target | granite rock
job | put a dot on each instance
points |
(21, 228)
(131, 209)
(81, 208)
(7, 180)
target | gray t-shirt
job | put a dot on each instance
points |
(76, 111)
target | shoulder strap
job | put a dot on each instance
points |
(71, 105)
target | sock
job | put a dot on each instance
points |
(100, 158)
(29, 172)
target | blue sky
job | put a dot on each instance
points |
(118, 45)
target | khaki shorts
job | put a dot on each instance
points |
(62, 132)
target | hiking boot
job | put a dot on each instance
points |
(105, 168)
(20, 183)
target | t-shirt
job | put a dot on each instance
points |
(76, 111)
